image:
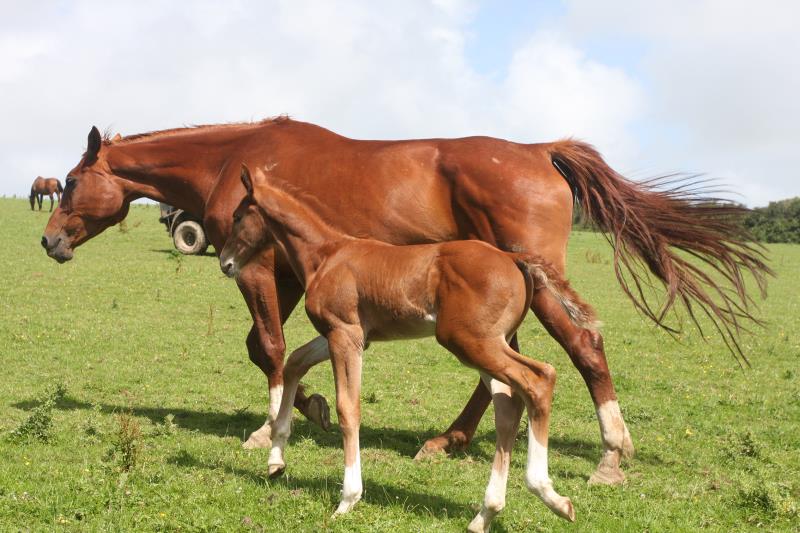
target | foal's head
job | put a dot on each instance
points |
(250, 232)
(92, 201)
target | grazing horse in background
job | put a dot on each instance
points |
(514, 196)
(471, 295)
(48, 186)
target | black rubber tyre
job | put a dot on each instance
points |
(189, 238)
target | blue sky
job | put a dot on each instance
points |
(697, 86)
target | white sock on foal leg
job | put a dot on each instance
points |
(539, 482)
(352, 487)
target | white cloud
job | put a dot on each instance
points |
(714, 90)
(722, 79)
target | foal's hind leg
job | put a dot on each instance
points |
(507, 412)
(533, 381)
(585, 348)
(460, 433)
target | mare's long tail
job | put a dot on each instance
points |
(649, 222)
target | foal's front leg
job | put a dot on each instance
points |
(296, 367)
(346, 350)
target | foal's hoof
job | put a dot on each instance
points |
(607, 475)
(317, 411)
(276, 471)
(565, 510)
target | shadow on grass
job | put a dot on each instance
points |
(325, 489)
(403, 441)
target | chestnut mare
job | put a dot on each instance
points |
(514, 196)
(471, 295)
(42, 186)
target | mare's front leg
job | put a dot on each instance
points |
(585, 348)
(346, 347)
(51, 201)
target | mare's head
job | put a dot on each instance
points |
(93, 200)
(250, 232)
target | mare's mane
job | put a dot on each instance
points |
(109, 140)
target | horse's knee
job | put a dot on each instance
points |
(266, 354)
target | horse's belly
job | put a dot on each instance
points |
(410, 328)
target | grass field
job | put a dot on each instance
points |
(158, 394)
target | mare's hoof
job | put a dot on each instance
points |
(276, 471)
(430, 450)
(258, 439)
(606, 475)
(627, 445)
(318, 411)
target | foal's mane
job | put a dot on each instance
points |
(109, 140)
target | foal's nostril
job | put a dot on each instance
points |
(44, 242)
(226, 267)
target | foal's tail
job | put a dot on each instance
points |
(649, 222)
(544, 275)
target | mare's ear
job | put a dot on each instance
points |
(95, 142)
(246, 180)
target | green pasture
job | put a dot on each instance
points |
(132, 364)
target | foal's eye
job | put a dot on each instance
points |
(236, 218)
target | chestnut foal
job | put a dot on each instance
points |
(471, 295)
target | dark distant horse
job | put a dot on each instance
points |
(517, 197)
(48, 186)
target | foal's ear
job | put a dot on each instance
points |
(246, 180)
(116, 138)
(94, 144)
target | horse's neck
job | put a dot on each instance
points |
(169, 170)
(299, 230)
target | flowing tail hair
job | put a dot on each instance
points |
(60, 188)
(648, 222)
(543, 274)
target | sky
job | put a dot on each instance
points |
(705, 86)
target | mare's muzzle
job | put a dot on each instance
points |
(56, 247)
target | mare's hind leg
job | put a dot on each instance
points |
(460, 433)
(585, 348)
(51, 201)
(507, 412)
